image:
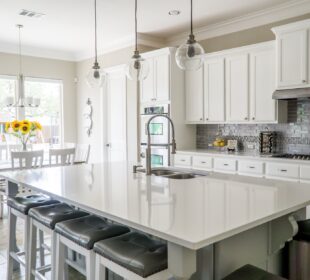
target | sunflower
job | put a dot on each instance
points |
(15, 125)
(25, 128)
(37, 125)
(7, 126)
(25, 122)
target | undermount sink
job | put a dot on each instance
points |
(174, 173)
(181, 176)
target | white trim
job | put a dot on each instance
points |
(284, 11)
(294, 26)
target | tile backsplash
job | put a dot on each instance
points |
(292, 137)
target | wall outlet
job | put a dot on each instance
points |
(251, 146)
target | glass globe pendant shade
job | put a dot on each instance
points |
(138, 68)
(96, 77)
(189, 56)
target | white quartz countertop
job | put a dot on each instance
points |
(242, 155)
(192, 213)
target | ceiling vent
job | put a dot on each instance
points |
(31, 14)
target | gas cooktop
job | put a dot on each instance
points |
(293, 156)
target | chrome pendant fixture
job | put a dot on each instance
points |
(138, 68)
(96, 77)
(22, 101)
(189, 56)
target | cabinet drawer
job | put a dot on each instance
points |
(183, 160)
(305, 172)
(282, 170)
(251, 167)
(229, 165)
(202, 162)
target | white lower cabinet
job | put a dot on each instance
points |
(202, 162)
(183, 161)
(305, 173)
(282, 171)
(251, 168)
(225, 165)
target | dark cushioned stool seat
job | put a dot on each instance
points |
(50, 215)
(86, 231)
(25, 203)
(303, 231)
(249, 272)
(136, 252)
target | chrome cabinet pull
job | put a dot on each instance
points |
(283, 170)
(252, 167)
(226, 164)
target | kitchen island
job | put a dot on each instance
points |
(213, 224)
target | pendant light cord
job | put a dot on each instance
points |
(96, 51)
(20, 49)
(192, 32)
(136, 24)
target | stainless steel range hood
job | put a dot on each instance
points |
(288, 94)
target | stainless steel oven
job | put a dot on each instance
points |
(160, 134)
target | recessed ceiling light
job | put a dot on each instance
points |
(30, 14)
(174, 12)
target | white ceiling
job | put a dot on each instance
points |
(67, 28)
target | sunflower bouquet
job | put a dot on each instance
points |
(23, 130)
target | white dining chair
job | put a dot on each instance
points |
(27, 159)
(59, 157)
(82, 153)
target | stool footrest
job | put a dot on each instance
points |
(76, 266)
(38, 275)
(17, 257)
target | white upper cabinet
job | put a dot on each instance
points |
(156, 87)
(237, 88)
(214, 90)
(293, 55)
(194, 96)
(262, 85)
(162, 77)
(148, 85)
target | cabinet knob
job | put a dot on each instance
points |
(207, 119)
(304, 81)
(253, 118)
(201, 119)
(246, 118)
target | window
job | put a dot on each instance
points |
(7, 90)
(49, 113)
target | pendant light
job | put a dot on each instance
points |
(138, 68)
(22, 101)
(96, 77)
(189, 56)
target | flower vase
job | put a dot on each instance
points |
(24, 147)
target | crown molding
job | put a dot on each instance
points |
(280, 12)
(10, 48)
(125, 42)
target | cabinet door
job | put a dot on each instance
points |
(162, 77)
(262, 85)
(237, 88)
(214, 86)
(147, 85)
(292, 59)
(194, 96)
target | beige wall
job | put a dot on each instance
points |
(84, 92)
(49, 69)
(246, 37)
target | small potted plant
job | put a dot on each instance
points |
(23, 130)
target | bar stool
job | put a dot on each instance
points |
(132, 256)
(18, 207)
(250, 272)
(80, 235)
(45, 218)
